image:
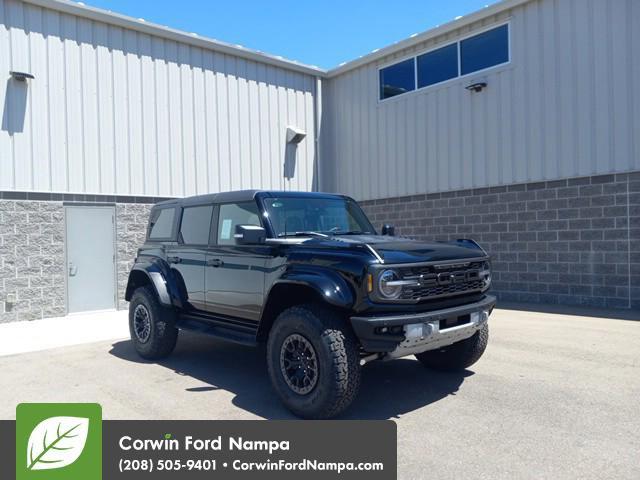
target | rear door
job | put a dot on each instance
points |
(234, 277)
(187, 258)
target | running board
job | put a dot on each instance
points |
(214, 329)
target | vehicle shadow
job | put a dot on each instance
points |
(388, 389)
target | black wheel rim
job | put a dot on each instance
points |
(142, 323)
(299, 364)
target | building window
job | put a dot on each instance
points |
(397, 79)
(485, 50)
(438, 65)
(472, 54)
(161, 223)
(195, 225)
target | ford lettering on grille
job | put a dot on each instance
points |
(433, 281)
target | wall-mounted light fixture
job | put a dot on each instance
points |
(295, 135)
(21, 76)
(476, 86)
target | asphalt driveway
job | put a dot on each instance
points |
(555, 396)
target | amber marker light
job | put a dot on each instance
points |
(369, 283)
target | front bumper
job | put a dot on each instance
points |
(401, 335)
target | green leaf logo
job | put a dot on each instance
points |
(56, 442)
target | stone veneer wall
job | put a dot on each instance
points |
(573, 241)
(32, 249)
(32, 260)
(131, 224)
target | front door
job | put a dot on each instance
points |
(90, 258)
(234, 278)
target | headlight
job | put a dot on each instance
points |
(389, 285)
(485, 274)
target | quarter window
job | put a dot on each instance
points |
(161, 223)
(232, 214)
(397, 79)
(484, 50)
(195, 225)
(438, 65)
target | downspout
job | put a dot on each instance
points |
(316, 134)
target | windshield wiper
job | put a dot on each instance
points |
(306, 233)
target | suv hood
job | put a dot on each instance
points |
(403, 250)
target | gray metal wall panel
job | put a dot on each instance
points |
(116, 111)
(566, 106)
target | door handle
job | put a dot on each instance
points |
(73, 270)
(214, 262)
(174, 259)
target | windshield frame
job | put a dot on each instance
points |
(274, 233)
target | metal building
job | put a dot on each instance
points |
(516, 125)
(121, 113)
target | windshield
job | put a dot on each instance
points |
(317, 216)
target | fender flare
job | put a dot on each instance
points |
(157, 278)
(328, 284)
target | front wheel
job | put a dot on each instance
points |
(458, 356)
(313, 361)
(152, 326)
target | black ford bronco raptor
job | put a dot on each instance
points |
(307, 274)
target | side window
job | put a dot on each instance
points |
(161, 223)
(195, 225)
(232, 214)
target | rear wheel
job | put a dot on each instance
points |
(458, 356)
(151, 325)
(313, 361)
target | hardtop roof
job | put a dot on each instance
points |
(243, 196)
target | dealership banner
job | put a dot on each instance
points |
(63, 441)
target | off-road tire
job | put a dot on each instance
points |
(338, 361)
(460, 355)
(163, 335)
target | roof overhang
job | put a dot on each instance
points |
(443, 29)
(111, 18)
(139, 25)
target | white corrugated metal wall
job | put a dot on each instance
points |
(118, 111)
(565, 106)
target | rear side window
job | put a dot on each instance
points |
(161, 223)
(232, 214)
(195, 225)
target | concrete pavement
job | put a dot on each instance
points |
(555, 396)
(75, 329)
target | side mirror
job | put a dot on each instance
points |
(250, 235)
(388, 230)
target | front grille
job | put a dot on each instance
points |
(434, 281)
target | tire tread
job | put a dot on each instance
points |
(334, 332)
(164, 333)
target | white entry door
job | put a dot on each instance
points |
(90, 258)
